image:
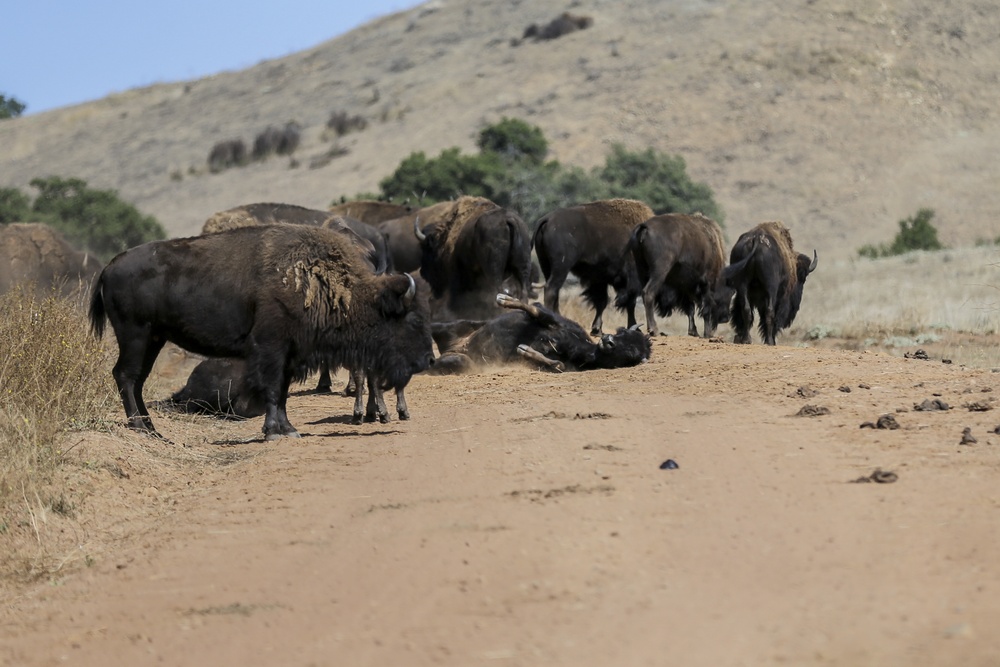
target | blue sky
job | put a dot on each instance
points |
(63, 52)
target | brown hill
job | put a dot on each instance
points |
(838, 117)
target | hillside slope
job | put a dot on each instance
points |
(837, 116)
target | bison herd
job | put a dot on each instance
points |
(272, 293)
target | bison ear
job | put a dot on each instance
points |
(398, 295)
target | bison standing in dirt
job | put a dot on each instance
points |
(590, 241)
(281, 297)
(468, 256)
(679, 262)
(37, 254)
(533, 333)
(770, 279)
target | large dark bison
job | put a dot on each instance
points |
(770, 279)
(282, 297)
(404, 246)
(590, 241)
(533, 333)
(467, 257)
(679, 261)
(37, 254)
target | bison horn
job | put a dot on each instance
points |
(636, 327)
(416, 230)
(812, 265)
(411, 291)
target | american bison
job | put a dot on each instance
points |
(770, 280)
(679, 261)
(281, 297)
(35, 253)
(533, 333)
(590, 240)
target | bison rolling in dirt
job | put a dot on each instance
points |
(770, 279)
(590, 240)
(536, 334)
(282, 297)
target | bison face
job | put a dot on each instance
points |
(433, 264)
(628, 347)
(403, 347)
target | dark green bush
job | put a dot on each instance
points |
(915, 233)
(94, 220)
(510, 170)
(11, 107)
(15, 206)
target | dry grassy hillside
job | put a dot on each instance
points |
(838, 116)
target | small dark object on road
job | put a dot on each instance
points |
(919, 354)
(879, 476)
(885, 422)
(930, 405)
(812, 411)
(669, 464)
(967, 437)
(845, 389)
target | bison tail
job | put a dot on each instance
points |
(98, 313)
(519, 255)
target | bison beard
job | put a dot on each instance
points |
(536, 334)
(281, 297)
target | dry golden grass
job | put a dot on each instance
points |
(54, 378)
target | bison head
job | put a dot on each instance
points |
(403, 347)
(627, 347)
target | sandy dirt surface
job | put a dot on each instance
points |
(523, 518)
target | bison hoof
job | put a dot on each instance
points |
(505, 300)
(741, 339)
(404, 415)
(384, 418)
(270, 437)
(357, 419)
(596, 331)
(323, 389)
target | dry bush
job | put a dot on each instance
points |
(54, 377)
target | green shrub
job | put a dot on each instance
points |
(514, 139)
(510, 170)
(15, 206)
(915, 233)
(11, 107)
(97, 220)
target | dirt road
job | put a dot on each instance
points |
(523, 518)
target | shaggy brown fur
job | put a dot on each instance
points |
(36, 253)
(250, 215)
(783, 237)
(325, 279)
(625, 212)
(462, 211)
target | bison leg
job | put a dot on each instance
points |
(742, 317)
(598, 295)
(539, 313)
(351, 388)
(135, 361)
(376, 402)
(452, 363)
(649, 302)
(692, 327)
(401, 408)
(325, 384)
(768, 327)
(554, 283)
(358, 378)
(534, 355)
(272, 380)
